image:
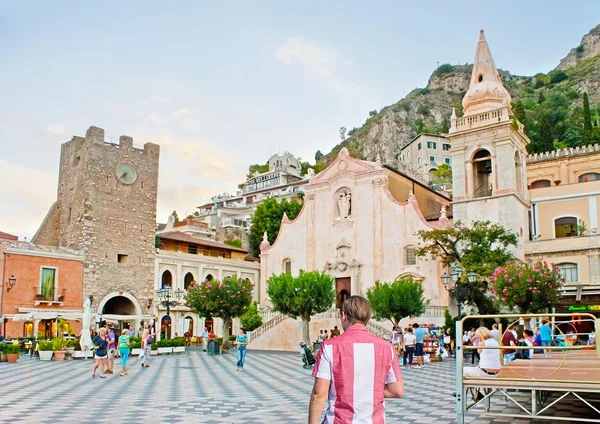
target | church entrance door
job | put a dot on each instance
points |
(342, 290)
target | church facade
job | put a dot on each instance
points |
(359, 223)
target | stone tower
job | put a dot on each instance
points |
(106, 207)
(488, 153)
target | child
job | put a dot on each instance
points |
(307, 357)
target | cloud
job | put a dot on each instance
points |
(27, 199)
(316, 60)
(144, 103)
(115, 106)
(56, 128)
(181, 112)
(164, 99)
(191, 124)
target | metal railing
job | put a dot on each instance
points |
(460, 379)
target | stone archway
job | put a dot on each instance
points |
(123, 301)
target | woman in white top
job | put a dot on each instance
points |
(396, 340)
(489, 362)
(410, 341)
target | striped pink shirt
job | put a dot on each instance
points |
(359, 365)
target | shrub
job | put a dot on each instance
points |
(558, 76)
(58, 344)
(405, 105)
(12, 348)
(251, 320)
(45, 345)
(232, 338)
(579, 48)
(154, 346)
(2, 346)
(444, 69)
(424, 110)
(234, 243)
(424, 91)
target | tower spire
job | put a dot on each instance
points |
(486, 90)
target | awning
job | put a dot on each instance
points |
(44, 315)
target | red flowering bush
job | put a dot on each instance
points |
(527, 288)
(225, 299)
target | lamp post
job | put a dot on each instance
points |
(169, 298)
(455, 276)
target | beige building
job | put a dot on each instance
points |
(106, 208)
(488, 154)
(423, 155)
(564, 190)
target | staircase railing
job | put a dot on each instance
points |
(379, 330)
(277, 319)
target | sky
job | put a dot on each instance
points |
(222, 86)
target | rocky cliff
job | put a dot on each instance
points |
(428, 110)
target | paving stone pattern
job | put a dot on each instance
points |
(196, 388)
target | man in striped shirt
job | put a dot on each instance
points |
(356, 371)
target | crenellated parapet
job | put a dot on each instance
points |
(563, 153)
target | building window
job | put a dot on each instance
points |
(448, 161)
(432, 160)
(446, 147)
(188, 280)
(565, 227)
(419, 146)
(166, 280)
(121, 258)
(48, 283)
(419, 160)
(411, 259)
(541, 184)
(192, 249)
(431, 145)
(591, 176)
(287, 265)
(482, 170)
(209, 277)
(569, 272)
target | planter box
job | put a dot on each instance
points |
(165, 350)
(179, 349)
(153, 352)
(135, 352)
(79, 354)
(3, 357)
(46, 355)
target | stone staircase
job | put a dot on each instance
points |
(273, 319)
(379, 330)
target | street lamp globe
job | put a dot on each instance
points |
(456, 273)
(445, 279)
(472, 277)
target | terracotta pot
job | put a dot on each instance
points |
(59, 355)
(12, 357)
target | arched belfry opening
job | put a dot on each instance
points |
(482, 174)
(119, 305)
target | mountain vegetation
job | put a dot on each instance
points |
(558, 109)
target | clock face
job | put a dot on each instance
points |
(126, 174)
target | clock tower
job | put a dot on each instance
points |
(488, 154)
(106, 207)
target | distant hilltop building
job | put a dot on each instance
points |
(283, 180)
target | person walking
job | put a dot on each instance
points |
(396, 340)
(546, 338)
(410, 342)
(101, 347)
(112, 348)
(147, 340)
(204, 336)
(123, 348)
(365, 361)
(420, 333)
(242, 343)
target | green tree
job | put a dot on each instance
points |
(480, 248)
(587, 120)
(303, 296)
(267, 217)
(520, 113)
(445, 126)
(175, 216)
(443, 174)
(319, 155)
(234, 243)
(372, 113)
(546, 140)
(251, 319)
(397, 300)
(261, 169)
(342, 133)
(225, 299)
(527, 289)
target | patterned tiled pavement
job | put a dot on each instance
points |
(196, 388)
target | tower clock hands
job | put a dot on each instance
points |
(123, 176)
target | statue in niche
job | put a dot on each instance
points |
(344, 202)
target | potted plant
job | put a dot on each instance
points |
(178, 344)
(70, 347)
(39, 297)
(2, 354)
(58, 345)
(45, 348)
(557, 182)
(135, 344)
(12, 352)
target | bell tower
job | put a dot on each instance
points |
(488, 153)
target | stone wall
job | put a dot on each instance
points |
(106, 218)
(47, 234)
(224, 234)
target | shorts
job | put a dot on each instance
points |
(419, 349)
(101, 357)
(395, 342)
(546, 343)
(111, 353)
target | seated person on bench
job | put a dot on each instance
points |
(489, 364)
